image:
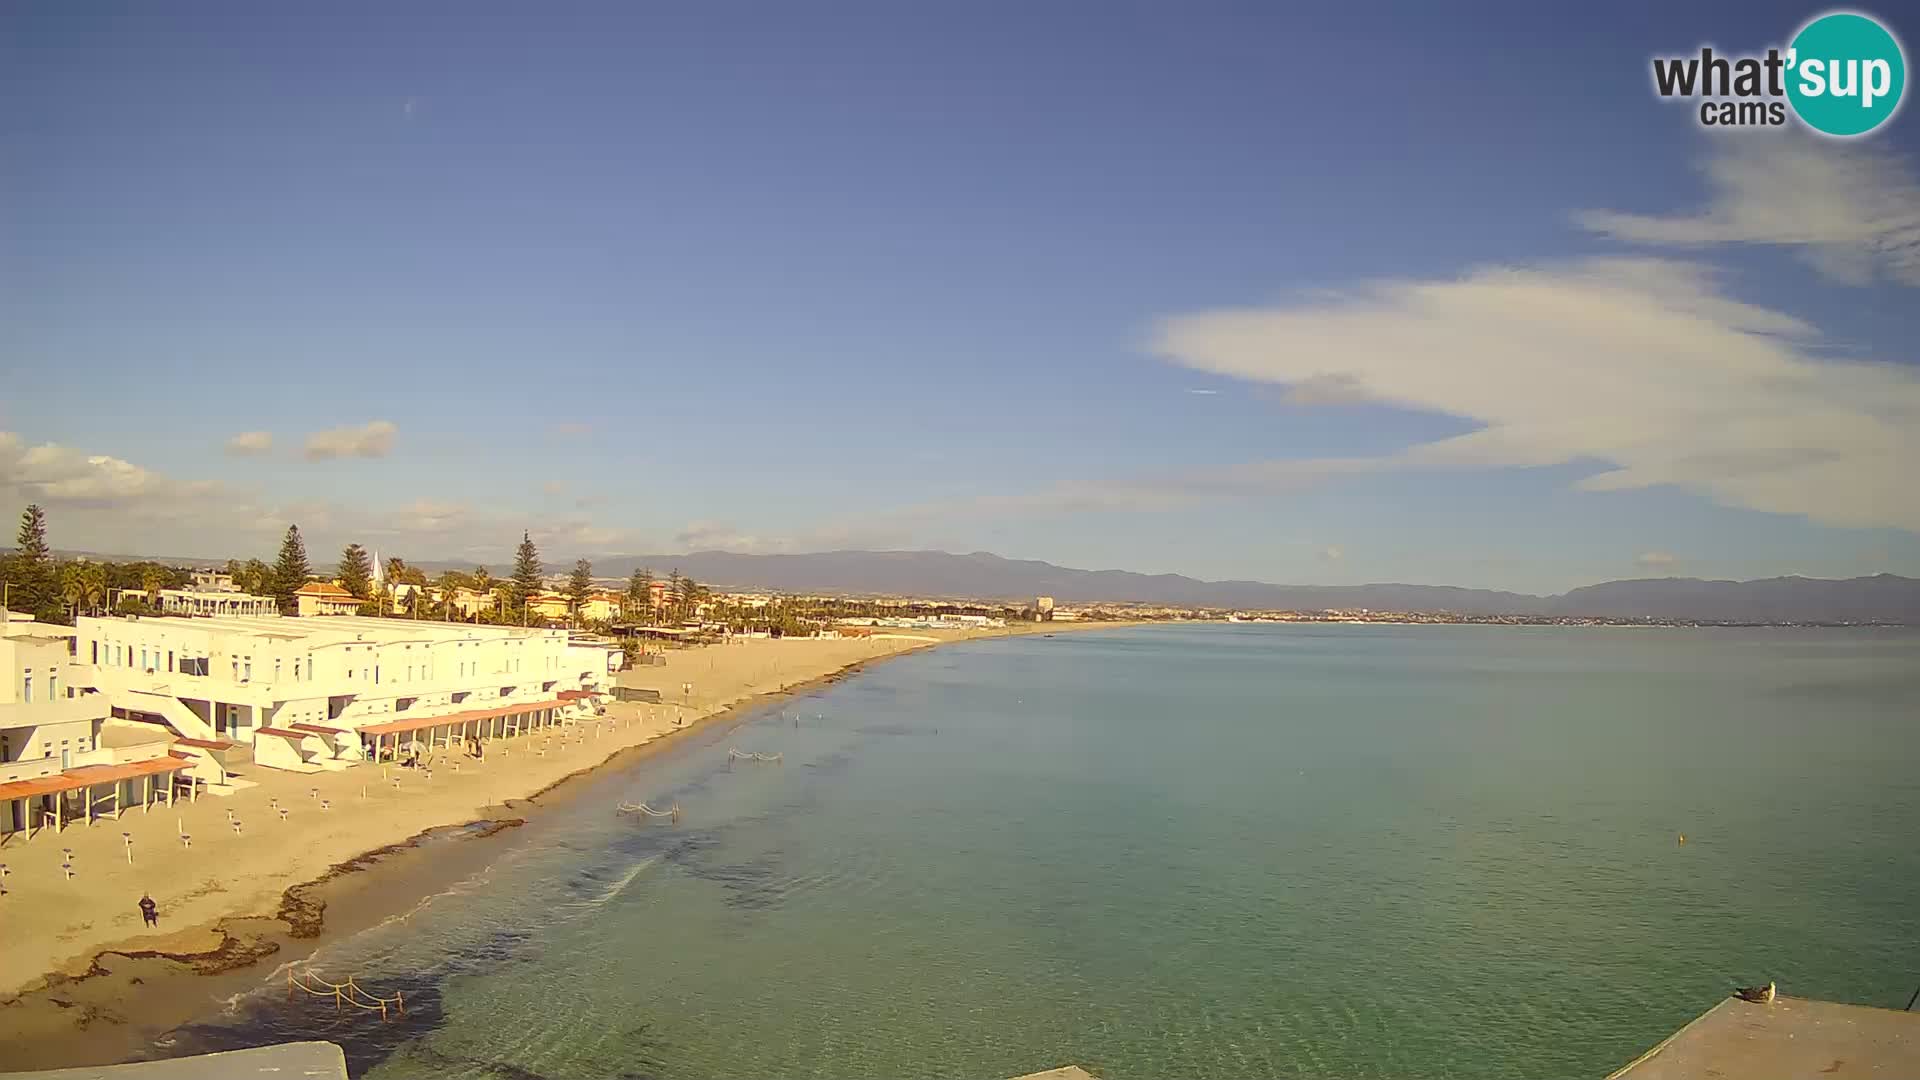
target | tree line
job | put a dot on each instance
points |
(51, 590)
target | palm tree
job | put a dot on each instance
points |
(94, 577)
(153, 579)
(73, 586)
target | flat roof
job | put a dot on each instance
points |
(1790, 1039)
(90, 775)
(394, 727)
(334, 629)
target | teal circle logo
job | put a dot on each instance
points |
(1846, 74)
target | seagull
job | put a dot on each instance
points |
(1764, 995)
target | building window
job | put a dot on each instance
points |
(247, 670)
(169, 659)
(26, 690)
(96, 652)
(53, 686)
(276, 670)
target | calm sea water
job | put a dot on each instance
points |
(1339, 852)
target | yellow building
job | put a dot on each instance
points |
(324, 598)
(547, 605)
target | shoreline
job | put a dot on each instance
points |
(108, 1001)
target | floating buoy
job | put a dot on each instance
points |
(1683, 840)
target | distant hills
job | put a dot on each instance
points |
(980, 575)
(984, 576)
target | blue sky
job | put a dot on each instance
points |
(793, 277)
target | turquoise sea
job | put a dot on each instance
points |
(1210, 851)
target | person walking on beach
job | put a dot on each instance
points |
(149, 911)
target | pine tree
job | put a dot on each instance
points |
(36, 587)
(579, 584)
(356, 571)
(290, 571)
(526, 573)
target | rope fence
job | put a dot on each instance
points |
(735, 752)
(642, 808)
(346, 993)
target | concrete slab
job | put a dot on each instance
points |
(1791, 1039)
(286, 1061)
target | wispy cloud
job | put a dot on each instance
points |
(1655, 560)
(373, 439)
(103, 503)
(572, 428)
(250, 444)
(1201, 391)
(1852, 210)
(1642, 366)
(1332, 553)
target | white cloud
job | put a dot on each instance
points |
(1332, 553)
(720, 536)
(553, 487)
(1326, 388)
(1655, 559)
(1641, 365)
(250, 444)
(1201, 392)
(370, 440)
(56, 475)
(1851, 209)
(101, 503)
(572, 428)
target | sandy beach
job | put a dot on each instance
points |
(236, 896)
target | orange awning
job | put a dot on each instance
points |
(395, 727)
(90, 775)
(318, 729)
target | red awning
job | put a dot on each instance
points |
(319, 729)
(395, 727)
(282, 732)
(576, 695)
(91, 775)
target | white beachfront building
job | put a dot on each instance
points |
(61, 756)
(312, 693)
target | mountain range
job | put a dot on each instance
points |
(984, 576)
(1884, 598)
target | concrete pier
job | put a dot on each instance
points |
(285, 1061)
(1791, 1039)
